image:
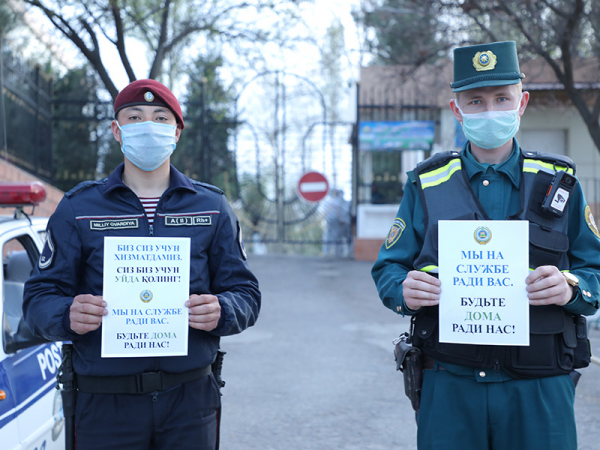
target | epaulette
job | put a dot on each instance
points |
(83, 186)
(411, 176)
(438, 160)
(207, 186)
(560, 160)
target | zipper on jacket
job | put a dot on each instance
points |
(150, 227)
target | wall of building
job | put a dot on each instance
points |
(579, 145)
(374, 221)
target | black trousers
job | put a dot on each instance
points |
(184, 417)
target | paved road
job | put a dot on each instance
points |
(317, 370)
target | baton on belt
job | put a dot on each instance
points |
(65, 382)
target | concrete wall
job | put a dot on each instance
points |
(373, 223)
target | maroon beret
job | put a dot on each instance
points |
(148, 92)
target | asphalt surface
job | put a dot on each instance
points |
(317, 370)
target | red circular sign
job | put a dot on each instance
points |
(313, 186)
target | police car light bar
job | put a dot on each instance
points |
(22, 194)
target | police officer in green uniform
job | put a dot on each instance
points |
(494, 397)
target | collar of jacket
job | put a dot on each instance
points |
(511, 167)
(178, 180)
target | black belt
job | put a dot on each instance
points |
(143, 383)
(429, 364)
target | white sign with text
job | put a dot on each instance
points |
(482, 267)
(146, 285)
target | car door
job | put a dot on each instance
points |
(30, 364)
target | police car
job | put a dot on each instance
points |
(31, 416)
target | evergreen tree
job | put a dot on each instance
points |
(81, 136)
(403, 31)
(203, 150)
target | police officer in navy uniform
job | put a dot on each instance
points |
(494, 397)
(143, 402)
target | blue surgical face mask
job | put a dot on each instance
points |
(148, 144)
(491, 129)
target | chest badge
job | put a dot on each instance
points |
(189, 221)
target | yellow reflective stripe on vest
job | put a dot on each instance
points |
(438, 176)
(535, 165)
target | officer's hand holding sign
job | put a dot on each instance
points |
(546, 285)
(420, 289)
(86, 313)
(205, 311)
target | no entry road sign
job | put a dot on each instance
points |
(313, 186)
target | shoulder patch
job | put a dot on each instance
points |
(47, 255)
(395, 232)
(240, 241)
(589, 219)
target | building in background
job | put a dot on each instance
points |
(403, 117)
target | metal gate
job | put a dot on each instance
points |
(25, 115)
(283, 132)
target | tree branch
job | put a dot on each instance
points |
(94, 58)
(120, 43)
(566, 44)
(159, 55)
(92, 55)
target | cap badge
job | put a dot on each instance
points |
(149, 96)
(484, 61)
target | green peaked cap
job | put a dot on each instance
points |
(494, 64)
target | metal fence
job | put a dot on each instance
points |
(25, 115)
(285, 131)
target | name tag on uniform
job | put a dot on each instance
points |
(189, 221)
(113, 224)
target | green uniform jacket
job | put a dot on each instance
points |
(500, 198)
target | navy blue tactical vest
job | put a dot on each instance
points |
(446, 194)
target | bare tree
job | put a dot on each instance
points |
(164, 26)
